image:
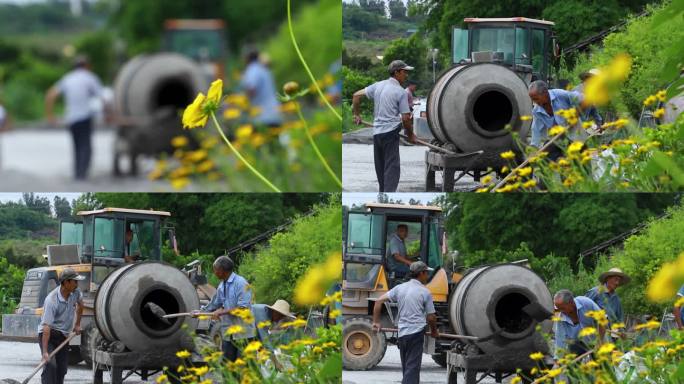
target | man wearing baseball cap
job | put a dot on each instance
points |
(416, 310)
(391, 110)
(604, 295)
(61, 306)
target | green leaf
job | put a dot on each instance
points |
(332, 369)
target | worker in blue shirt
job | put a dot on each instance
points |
(606, 298)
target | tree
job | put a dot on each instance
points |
(397, 10)
(37, 203)
(62, 208)
(85, 202)
(413, 51)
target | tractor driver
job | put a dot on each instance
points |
(397, 261)
(130, 255)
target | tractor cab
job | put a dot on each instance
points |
(115, 236)
(369, 233)
(524, 45)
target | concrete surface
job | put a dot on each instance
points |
(358, 170)
(389, 371)
(41, 160)
(17, 361)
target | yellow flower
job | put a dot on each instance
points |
(311, 288)
(525, 171)
(661, 95)
(193, 116)
(318, 350)
(554, 372)
(505, 169)
(649, 100)
(288, 107)
(180, 183)
(179, 141)
(588, 331)
(666, 281)
(253, 346)
(233, 329)
(617, 326)
(648, 325)
(508, 155)
(575, 147)
(298, 323)
(264, 324)
(530, 183)
(334, 313)
(606, 348)
(238, 100)
(525, 118)
(206, 381)
(196, 156)
(244, 131)
(205, 166)
(680, 302)
(258, 140)
(209, 142)
(231, 113)
(199, 371)
(482, 190)
(659, 113)
(536, 356)
(162, 378)
(183, 354)
(215, 92)
(556, 130)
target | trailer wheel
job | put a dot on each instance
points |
(440, 359)
(363, 348)
(74, 355)
(90, 338)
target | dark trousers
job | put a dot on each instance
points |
(386, 154)
(411, 354)
(81, 132)
(231, 351)
(55, 370)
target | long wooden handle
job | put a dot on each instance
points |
(181, 314)
(54, 351)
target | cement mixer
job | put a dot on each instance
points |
(131, 331)
(502, 306)
(474, 108)
(150, 93)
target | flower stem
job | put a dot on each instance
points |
(239, 156)
(306, 67)
(315, 147)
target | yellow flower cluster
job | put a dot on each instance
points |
(311, 289)
(666, 281)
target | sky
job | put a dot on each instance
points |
(6, 197)
(358, 198)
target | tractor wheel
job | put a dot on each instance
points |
(440, 359)
(363, 348)
(90, 338)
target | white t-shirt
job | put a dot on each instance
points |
(78, 86)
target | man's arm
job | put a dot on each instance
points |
(677, 312)
(44, 340)
(398, 257)
(431, 317)
(79, 314)
(356, 105)
(406, 118)
(50, 99)
(377, 310)
(537, 127)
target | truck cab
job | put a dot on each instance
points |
(203, 40)
(525, 45)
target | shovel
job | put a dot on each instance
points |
(42, 363)
(181, 314)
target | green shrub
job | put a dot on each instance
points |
(99, 47)
(11, 283)
(273, 270)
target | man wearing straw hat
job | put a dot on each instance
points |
(606, 298)
(590, 113)
(61, 306)
(269, 318)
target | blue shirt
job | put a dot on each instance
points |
(258, 80)
(396, 245)
(59, 313)
(415, 303)
(389, 102)
(232, 293)
(589, 113)
(541, 121)
(566, 331)
(609, 302)
(274, 334)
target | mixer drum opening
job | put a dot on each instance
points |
(492, 111)
(174, 92)
(163, 300)
(508, 313)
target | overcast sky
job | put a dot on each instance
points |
(358, 198)
(5, 197)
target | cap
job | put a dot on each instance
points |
(70, 274)
(397, 65)
(419, 266)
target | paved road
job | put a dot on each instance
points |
(17, 361)
(389, 371)
(358, 170)
(42, 161)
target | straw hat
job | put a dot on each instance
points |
(614, 272)
(283, 307)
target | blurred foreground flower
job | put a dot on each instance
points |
(666, 281)
(599, 88)
(311, 289)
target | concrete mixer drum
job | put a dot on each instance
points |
(150, 93)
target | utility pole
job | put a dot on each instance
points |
(434, 52)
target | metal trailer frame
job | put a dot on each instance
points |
(141, 364)
(477, 367)
(449, 164)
